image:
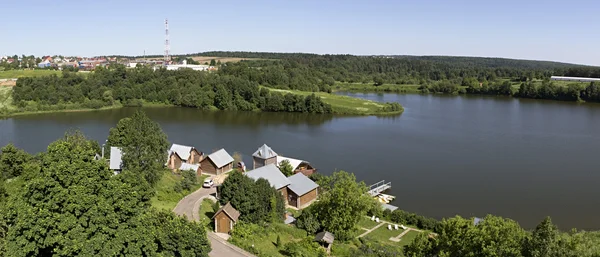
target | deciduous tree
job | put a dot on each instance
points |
(143, 143)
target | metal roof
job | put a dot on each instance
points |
(264, 152)
(116, 162)
(187, 166)
(300, 184)
(324, 236)
(271, 173)
(220, 158)
(574, 78)
(294, 162)
(182, 150)
(230, 211)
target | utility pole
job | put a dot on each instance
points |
(167, 44)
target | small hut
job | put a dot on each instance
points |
(225, 218)
(326, 239)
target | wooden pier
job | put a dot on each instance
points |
(379, 187)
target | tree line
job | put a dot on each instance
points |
(66, 202)
(132, 87)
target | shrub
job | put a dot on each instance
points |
(308, 221)
(307, 247)
(189, 179)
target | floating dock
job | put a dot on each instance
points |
(379, 187)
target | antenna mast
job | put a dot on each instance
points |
(167, 44)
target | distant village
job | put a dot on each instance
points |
(58, 62)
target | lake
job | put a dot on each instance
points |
(445, 155)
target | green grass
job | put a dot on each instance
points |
(206, 213)
(369, 87)
(166, 198)
(407, 238)
(345, 104)
(13, 74)
(6, 98)
(264, 241)
(383, 234)
(367, 223)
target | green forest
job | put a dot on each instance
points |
(66, 202)
(245, 85)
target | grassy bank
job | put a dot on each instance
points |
(13, 74)
(371, 88)
(8, 109)
(348, 105)
(166, 197)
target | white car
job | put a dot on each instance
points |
(208, 183)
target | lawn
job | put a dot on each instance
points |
(206, 213)
(367, 223)
(370, 87)
(13, 74)
(345, 104)
(383, 234)
(166, 197)
(263, 240)
(6, 98)
(407, 238)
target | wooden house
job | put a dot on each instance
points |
(179, 154)
(193, 167)
(272, 174)
(301, 191)
(217, 163)
(225, 218)
(298, 166)
(297, 190)
(264, 156)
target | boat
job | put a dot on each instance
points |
(383, 198)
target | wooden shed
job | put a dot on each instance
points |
(217, 163)
(326, 239)
(225, 218)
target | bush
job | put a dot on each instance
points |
(308, 221)
(189, 179)
(305, 248)
(404, 217)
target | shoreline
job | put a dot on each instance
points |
(151, 105)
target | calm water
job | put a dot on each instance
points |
(444, 156)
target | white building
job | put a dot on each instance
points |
(577, 79)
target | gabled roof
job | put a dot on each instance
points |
(324, 237)
(264, 152)
(294, 162)
(220, 158)
(300, 184)
(271, 173)
(116, 162)
(182, 150)
(230, 211)
(187, 166)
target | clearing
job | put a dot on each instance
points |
(345, 104)
(13, 74)
(166, 197)
(206, 59)
(6, 98)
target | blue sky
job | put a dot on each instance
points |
(566, 31)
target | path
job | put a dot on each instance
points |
(189, 207)
(371, 230)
